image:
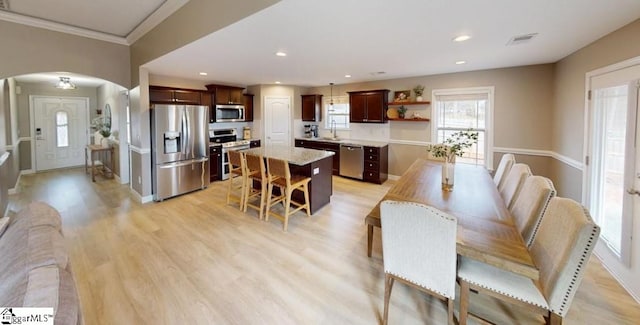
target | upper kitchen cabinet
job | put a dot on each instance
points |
(248, 107)
(368, 106)
(226, 94)
(168, 95)
(312, 108)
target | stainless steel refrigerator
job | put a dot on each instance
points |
(180, 149)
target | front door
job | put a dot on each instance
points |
(612, 169)
(277, 112)
(60, 125)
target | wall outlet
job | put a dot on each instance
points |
(139, 179)
(316, 171)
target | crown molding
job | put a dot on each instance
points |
(153, 20)
(41, 23)
(164, 11)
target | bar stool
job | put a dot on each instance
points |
(237, 170)
(255, 171)
(280, 176)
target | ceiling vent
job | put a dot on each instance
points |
(4, 5)
(521, 39)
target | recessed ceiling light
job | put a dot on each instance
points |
(203, 73)
(280, 53)
(278, 82)
(347, 76)
(461, 38)
(461, 62)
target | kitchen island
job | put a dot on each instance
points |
(316, 164)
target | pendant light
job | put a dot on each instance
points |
(331, 99)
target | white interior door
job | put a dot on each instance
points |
(613, 169)
(277, 112)
(59, 130)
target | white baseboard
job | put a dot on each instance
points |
(140, 198)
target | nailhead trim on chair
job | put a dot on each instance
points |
(546, 204)
(565, 300)
(506, 294)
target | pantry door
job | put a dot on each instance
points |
(277, 112)
(59, 127)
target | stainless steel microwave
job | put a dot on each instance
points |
(229, 113)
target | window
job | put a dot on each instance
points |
(62, 129)
(462, 109)
(338, 113)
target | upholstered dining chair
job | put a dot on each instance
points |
(256, 170)
(237, 178)
(560, 249)
(530, 204)
(280, 176)
(513, 183)
(419, 247)
(504, 166)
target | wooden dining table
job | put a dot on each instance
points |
(486, 230)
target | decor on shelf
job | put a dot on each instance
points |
(401, 111)
(401, 96)
(418, 90)
(452, 146)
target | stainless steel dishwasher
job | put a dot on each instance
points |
(351, 161)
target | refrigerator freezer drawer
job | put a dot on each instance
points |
(181, 177)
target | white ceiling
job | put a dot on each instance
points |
(327, 39)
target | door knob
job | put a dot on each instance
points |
(633, 191)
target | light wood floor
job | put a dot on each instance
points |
(195, 260)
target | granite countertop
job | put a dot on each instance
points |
(296, 156)
(366, 143)
(213, 144)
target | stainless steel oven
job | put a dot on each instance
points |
(226, 147)
(229, 140)
(230, 113)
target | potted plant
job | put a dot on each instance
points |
(102, 127)
(401, 111)
(452, 147)
(418, 90)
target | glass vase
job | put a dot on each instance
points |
(448, 173)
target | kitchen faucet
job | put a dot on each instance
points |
(333, 129)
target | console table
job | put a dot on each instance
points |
(99, 159)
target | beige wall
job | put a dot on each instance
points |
(522, 110)
(194, 20)
(522, 107)
(568, 115)
(28, 49)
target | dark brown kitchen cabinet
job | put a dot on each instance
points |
(248, 107)
(215, 163)
(326, 146)
(368, 106)
(376, 164)
(168, 95)
(312, 108)
(226, 94)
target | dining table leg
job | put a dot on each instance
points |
(369, 239)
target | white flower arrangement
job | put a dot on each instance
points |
(454, 145)
(101, 125)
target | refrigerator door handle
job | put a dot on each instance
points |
(183, 163)
(190, 154)
(185, 134)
